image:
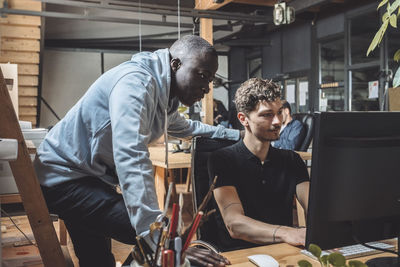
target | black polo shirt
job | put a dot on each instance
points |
(265, 190)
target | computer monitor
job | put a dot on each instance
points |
(355, 178)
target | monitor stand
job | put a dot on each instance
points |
(386, 261)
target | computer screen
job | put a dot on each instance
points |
(355, 178)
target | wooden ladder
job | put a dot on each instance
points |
(29, 189)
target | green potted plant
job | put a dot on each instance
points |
(334, 259)
(388, 18)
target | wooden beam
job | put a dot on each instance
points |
(209, 4)
(21, 20)
(28, 185)
(21, 32)
(206, 31)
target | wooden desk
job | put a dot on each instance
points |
(175, 161)
(285, 254)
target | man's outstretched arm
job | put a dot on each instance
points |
(243, 227)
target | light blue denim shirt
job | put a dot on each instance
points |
(107, 132)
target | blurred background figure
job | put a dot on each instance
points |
(221, 115)
(292, 131)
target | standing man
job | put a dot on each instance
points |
(102, 142)
(256, 182)
(292, 132)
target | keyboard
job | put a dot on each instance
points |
(353, 251)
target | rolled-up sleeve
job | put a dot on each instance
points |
(131, 106)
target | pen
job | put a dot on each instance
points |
(168, 258)
(178, 249)
(192, 230)
(174, 220)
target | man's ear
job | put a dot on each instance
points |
(175, 64)
(243, 119)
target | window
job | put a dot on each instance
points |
(332, 75)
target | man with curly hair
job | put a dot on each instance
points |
(257, 182)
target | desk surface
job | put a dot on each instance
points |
(285, 254)
(175, 160)
(183, 160)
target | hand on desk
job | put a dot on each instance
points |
(292, 236)
(203, 257)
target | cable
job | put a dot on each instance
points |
(179, 19)
(19, 229)
(140, 26)
(376, 248)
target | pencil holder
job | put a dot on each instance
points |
(186, 263)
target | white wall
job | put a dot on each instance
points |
(66, 77)
(68, 74)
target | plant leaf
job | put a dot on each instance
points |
(385, 16)
(324, 260)
(381, 4)
(395, 5)
(396, 56)
(378, 37)
(315, 250)
(337, 259)
(393, 20)
(396, 79)
(304, 263)
(356, 264)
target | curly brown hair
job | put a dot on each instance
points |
(253, 91)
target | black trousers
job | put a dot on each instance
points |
(93, 213)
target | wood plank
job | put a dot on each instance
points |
(29, 101)
(19, 57)
(28, 80)
(206, 31)
(29, 118)
(25, 4)
(21, 20)
(28, 185)
(12, 44)
(10, 198)
(27, 91)
(28, 69)
(22, 32)
(27, 111)
(209, 4)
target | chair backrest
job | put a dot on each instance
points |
(202, 147)
(308, 122)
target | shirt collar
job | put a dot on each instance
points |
(249, 155)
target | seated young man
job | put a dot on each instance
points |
(257, 182)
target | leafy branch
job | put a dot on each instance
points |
(388, 18)
(335, 259)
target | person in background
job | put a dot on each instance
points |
(221, 115)
(101, 145)
(256, 182)
(292, 131)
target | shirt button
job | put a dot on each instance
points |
(263, 181)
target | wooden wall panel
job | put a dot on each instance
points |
(20, 32)
(27, 91)
(23, 45)
(21, 20)
(20, 44)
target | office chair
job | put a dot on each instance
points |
(308, 122)
(202, 147)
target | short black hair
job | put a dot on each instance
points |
(189, 45)
(286, 104)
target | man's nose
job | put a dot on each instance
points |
(277, 119)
